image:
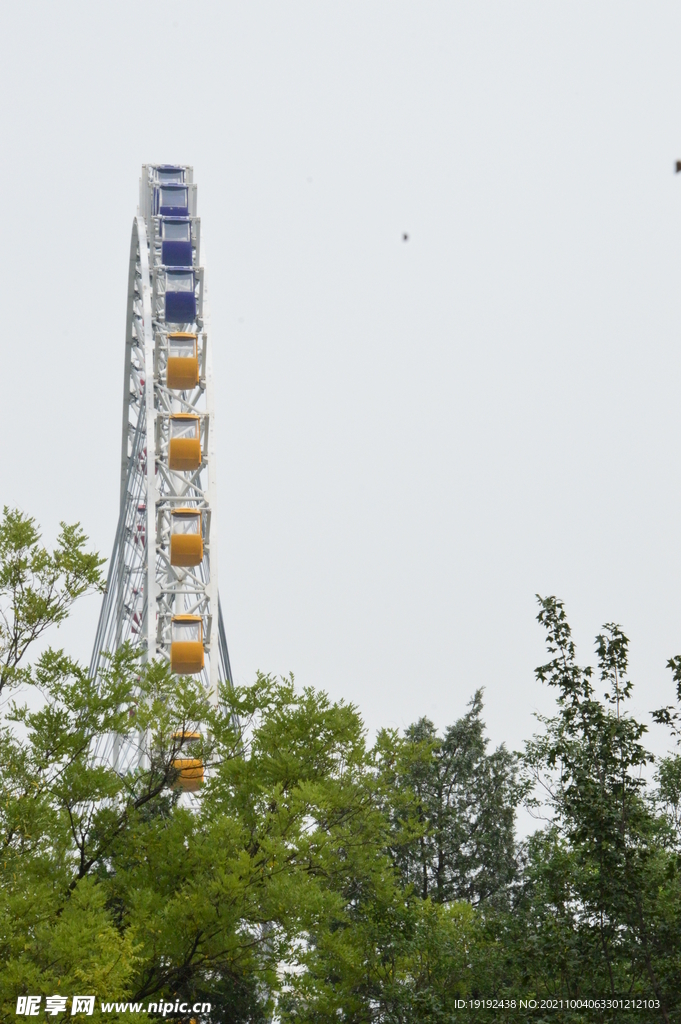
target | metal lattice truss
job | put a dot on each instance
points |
(145, 592)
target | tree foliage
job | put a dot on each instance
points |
(37, 587)
(451, 806)
(315, 877)
(601, 881)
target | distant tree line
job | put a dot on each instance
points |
(316, 878)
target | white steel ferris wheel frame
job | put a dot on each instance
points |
(144, 591)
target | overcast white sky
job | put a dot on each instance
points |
(414, 437)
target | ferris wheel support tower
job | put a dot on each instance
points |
(162, 585)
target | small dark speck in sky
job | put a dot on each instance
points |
(405, 236)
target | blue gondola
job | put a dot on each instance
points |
(169, 174)
(176, 242)
(180, 296)
(171, 200)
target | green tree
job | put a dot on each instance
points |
(452, 808)
(197, 902)
(37, 587)
(407, 942)
(668, 775)
(118, 884)
(601, 900)
(311, 876)
(389, 958)
(668, 795)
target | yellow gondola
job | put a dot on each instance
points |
(186, 542)
(190, 769)
(186, 644)
(184, 446)
(182, 368)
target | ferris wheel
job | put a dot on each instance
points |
(162, 586)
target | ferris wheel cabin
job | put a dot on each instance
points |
(186, 644)
(171, 200)
(186, 540)
(189, 769)
(176, 241)
(169, 174)
(184, 446)
(180, 295)
(182, 367)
